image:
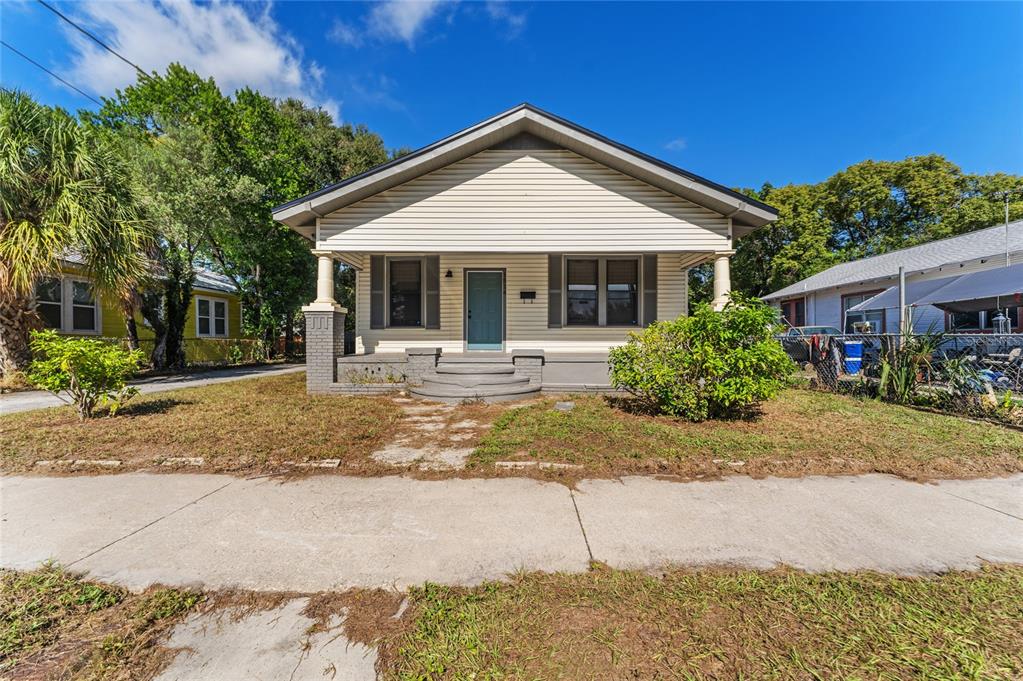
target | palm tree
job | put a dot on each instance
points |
(63, 189)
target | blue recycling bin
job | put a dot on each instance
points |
(853, 357)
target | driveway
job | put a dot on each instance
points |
(335, 532)
(38, 399)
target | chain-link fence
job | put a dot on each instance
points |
(975, 374)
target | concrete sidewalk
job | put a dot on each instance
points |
(332, 532)
(38, 399)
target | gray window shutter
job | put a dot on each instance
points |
(649, 289)
(554, 291)
(432, 285)
(376, 292)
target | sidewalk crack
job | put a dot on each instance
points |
(579, 518)
(990, 508)
(150, 524)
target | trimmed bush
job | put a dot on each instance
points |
(91, 373)
(707, 365)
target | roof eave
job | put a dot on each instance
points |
(747, 214)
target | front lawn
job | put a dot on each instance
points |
(249, 425)
(719, 624)
(685, 624)
(799, 433)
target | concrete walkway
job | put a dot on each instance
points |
(332, 532)
(38, 399)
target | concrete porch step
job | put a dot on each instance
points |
(463, 369)
(467, 380)
(455, 394)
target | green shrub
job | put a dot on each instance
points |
(707, 365)
(92, 373)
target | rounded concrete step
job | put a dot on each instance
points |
(468, 380)
(456, 394)
(475, 369)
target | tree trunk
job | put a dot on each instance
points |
(17, 319)
(289, 334)
(130, 328)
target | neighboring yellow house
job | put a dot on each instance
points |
(71, 305)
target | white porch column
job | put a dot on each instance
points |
(324, 277)
(722, 279)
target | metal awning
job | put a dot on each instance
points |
(889, 298)
(987, 290)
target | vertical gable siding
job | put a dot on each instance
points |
(524, 201)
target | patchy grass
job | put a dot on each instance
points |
(247, 425)
(799, 433)
(693, 624)
(717, 625)
(55, 625)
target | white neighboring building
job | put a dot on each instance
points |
(826, 298)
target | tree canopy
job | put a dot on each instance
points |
(867, 209)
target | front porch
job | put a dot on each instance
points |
(432, 374)
(515, 323)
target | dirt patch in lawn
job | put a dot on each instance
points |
(799, 433)
(715, 624)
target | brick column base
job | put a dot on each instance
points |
(529, 363)
(422, 362)
(324, 343)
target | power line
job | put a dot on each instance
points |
(93, 38)
(38, 65)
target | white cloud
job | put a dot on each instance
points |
(237, 47)
(677, 144)
(345, 34)
(500, 11)
(401, 19)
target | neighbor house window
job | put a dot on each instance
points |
(793, 312)
(83, 307)
(48, 302)
(622, 292)
(582, 292)
(405, 292)
(875, 318)
(67, 305)
(210, 317)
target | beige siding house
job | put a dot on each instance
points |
(508, 258)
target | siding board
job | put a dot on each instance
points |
(527, 201)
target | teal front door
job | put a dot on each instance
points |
(484, 310)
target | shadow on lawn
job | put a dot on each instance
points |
(638, 407)
(151, 407)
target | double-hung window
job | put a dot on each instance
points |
(405, 292)
(602, 292)
(67, 305)
(210, 317)
(48, 302)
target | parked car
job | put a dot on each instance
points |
(813, 331)
(797, 340)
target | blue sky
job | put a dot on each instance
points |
(740, 93)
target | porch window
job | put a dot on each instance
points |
(48, 303)
(210, 317)
(980, 321)
(582, 284)
(405, 292)
(622, 292)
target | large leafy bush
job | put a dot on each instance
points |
(707, 365)
(92, 373)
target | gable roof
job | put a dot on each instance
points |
(747, 213)
(205, 279)
(983, 243)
